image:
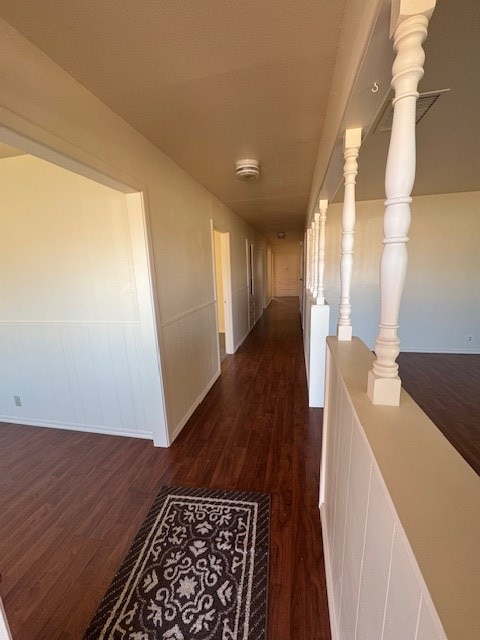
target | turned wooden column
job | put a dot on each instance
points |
(352, 142)
(409, 25)
(323, 206)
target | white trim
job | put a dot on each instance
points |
(325, 430)
(194, 406)
(239, 343)
(69, 323)
(227, 291)
(73, 158)
(152, 382)
(184, 314)
(5, 633)
(31, 140)
(215, 288)
(88, 428)
(226, 264)
(328, 574)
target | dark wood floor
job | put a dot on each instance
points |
(70, 503)
(447, 388)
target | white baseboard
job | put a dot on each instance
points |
(328, 575)
(88, 428)
(176, 431)
(241, 341)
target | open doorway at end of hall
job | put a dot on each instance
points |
(286, 273)
(223, 292)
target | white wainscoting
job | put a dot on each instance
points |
(375, 587)
(5, 633)
(393, 494)
(191, 362)
(240, 302)
(86, 376)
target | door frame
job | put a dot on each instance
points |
(140, 236)
(225, 261)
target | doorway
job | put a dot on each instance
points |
(223, 292)
(80, 366)
(251, 284)
(286, 267)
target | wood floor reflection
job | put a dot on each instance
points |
(447, 388)
(71, 502)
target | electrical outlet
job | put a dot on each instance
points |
(469, 338)
(18, 401)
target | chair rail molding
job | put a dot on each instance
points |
(409, 23)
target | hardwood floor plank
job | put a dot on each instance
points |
(72, 502)
(447, 388)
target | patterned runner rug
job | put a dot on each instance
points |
(197, 570)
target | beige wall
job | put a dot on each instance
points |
(44, 104)
(441, 302)
(219, 281)
(65, 251)
(77, 347)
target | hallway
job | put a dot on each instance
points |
(71, 502)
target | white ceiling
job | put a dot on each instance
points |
(212, 82)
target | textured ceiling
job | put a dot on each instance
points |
(208, 82)
(448, 137)
(212, 82)
(8, 152)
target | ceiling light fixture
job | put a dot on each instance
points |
(247, 169)
(281, 235)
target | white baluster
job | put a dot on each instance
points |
(409, 29)
(308, 241)
(316, 244)
(323, 206)
(352, 142)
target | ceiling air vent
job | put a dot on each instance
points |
(424, 103)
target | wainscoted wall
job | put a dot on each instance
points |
(374, 581)
(45, 112)
(240, 292)
(78, 375)
(77, 334)
(191, 363)
(240, 302)
(398, 513)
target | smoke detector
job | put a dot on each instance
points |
(247, 169)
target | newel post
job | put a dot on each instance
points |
(352, 142)
(323, 206)
(409, 23)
